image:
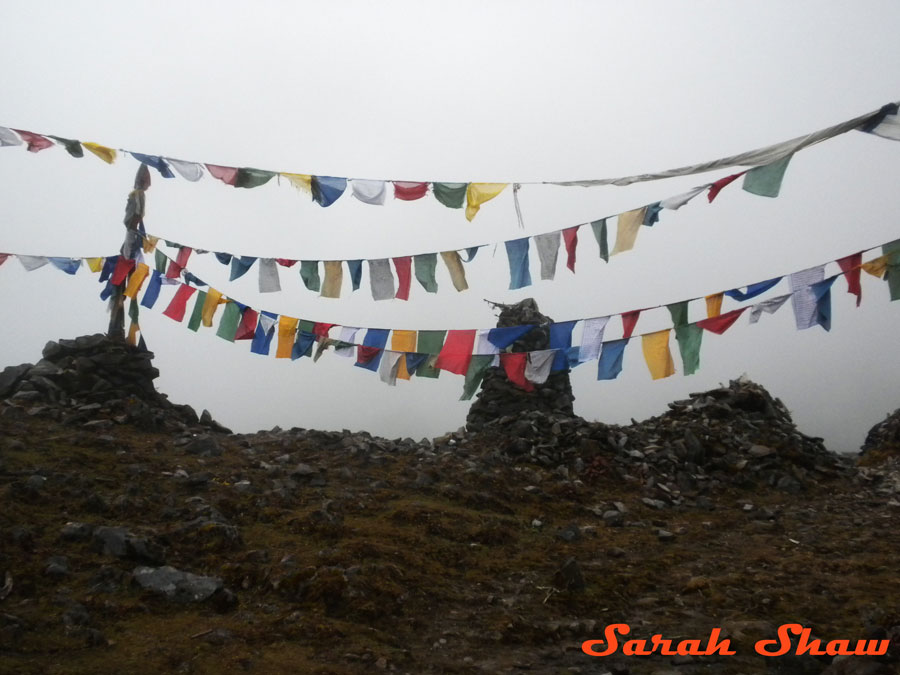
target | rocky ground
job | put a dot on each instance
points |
(137, 538)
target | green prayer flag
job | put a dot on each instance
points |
(892, 273)
(765, 181)
(478, 367)
(228, 324)
(161, 261)
(689, 336)
(133, 310)
(251, 178)
(304, 329)
(425, 265)
(599, 227)
(429, 342)
(197, 314)
(679, 312)
(309, 272)
(451, 195)
(72, 147)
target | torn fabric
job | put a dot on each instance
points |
(547, 246)
(381, 279)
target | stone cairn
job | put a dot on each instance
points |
(499, 397)
(97, 381)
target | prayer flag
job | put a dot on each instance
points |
(287, 331)
(425, 265)
(451, 195)
(719, 324)
(403, 267)
(326, 190)
(592, 338)
(561, 340)
(154, 162)
(301, 181)
(178, 305)
(538, 365)
(676, 202)
(803, 299)
(716, 187)
(122, 270)
(479, 193)
(213, 300)
(35, 142)
(548, 250)
(504, 337)
(768, 306)
(611, 357)
(309, 272)
(265, 329)
(765, 181)
(517, 253)
(850, 266)
(229, 322)
(247, 328)
(251, 178)
(136, 280)
(714, 305)
(8, 138)
(454, 266)
(381, 279)
(822, 293)
(689, 337)
(369, 353)
(369, 191)
(226, 174)
(475, 373)
(679, 312)
(629, 321)
(429, 342)
(627, 227)
(94, 264)
(355, 269)
(67, 265)
(570, 237)
(651, 216)
(197, 313)
(73, 147)
(403, 341)
(334, 278)
(152, 292)
(390, 366)
(657, 354)
(457, 351)
(268, 276)
(188, 170)
(514, 367)
(600, 234)
(753, 290)
(409, 192)
(108, 155)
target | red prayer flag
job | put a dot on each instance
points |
(36, 142)
(121, 271)
(321, 329)
(176, 308)
(180, 262)
(570, 237)
(629, 321)
(284, 262)
(719, 324)
(514, 367)
(3, 257)
(850, 266)
(366, 354)
(716, 187)
(456, 353)
(247, 328)
(409, 192)
(403, 266)
(226, 174)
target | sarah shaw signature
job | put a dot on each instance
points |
(715, 645)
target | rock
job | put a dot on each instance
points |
(76, 532)
(569, 577)
(665, 535)
(11, 376)
(613, 518)
(203, 445)
(175, 585)
(57, 566)
(120, 543)
(760, 451)
(76, 615)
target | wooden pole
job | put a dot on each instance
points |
(134, 216)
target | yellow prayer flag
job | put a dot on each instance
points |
(108, 155)
(301, 181)
(287, 332)
(94, 264)
(150, 243)
(136, 280)
(213, 300)
(657, 354)
(132, 334)
(876, 267)
(479, 193)
(403, 341)
(627, 226)
(714, 305)
(454, 266)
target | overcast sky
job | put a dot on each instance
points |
(464, 91)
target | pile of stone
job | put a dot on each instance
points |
(96, 381)
(738, 435)
(884, 437)
(499, 397)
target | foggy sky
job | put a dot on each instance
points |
(500, 91)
